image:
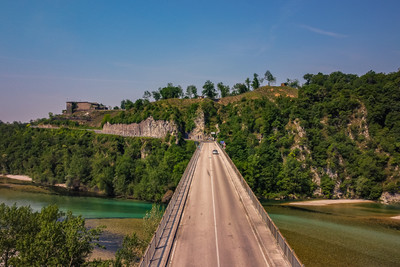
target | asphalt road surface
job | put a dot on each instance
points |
(216, 228)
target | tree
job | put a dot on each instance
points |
(240, 88)
(269, 77)
(256, 82)
(209, 89)
(191, 91)
(15, 223)
(146, 95)
(123, 104)
(247, 82)
(308, 78)
(293, 83)
(156, 95)
(171, 91)
(224, 89)
(45, 238)
(128, 104)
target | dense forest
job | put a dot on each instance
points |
(339, 138)
(337, 135)
(142, 168)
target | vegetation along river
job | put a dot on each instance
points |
(121, 217)
(362, 234)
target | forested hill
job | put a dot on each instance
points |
(142, 168)
(339, 138)
(338, 135)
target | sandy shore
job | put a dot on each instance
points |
(17, 177)
(26, 179)
(396, 217)
(329, 202)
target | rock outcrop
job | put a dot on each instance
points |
(198, 132)
(388, 198)
(146, 128)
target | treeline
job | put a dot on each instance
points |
(142, 168)
(341, 135)
(209, 89)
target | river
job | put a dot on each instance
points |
(340, 235)
(88, 207)
(332, 235)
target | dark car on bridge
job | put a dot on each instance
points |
(215, 152)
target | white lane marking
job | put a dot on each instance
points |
(173, 253)
(247, 217)
(215, 218)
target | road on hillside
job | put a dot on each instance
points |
(215, 229)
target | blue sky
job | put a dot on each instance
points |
(105, 51)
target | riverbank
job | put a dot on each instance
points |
(324, 202)
(25, 183)
(26, 178)
(17, 177)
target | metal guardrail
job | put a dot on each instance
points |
(287, 250)
(157, 252)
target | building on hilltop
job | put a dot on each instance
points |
(73, 106)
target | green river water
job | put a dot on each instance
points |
(340, 235)
(88, 207)
(332, 235)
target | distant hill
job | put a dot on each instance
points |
(337, 136)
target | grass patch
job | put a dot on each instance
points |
(115, 230)
(119, 226)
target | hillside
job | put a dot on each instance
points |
(338, 136)
(269, 92)
(161, 109)
(140, 168)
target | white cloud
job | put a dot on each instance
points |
(323, 32)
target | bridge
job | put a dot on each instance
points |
(214, 219)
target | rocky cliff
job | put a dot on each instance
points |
(198, 132)
(146, 128)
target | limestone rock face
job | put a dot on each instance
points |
(198, 132)
(146, 128)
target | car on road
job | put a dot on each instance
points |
(215, 152)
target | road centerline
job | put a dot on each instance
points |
(254, 231)
(215, 218)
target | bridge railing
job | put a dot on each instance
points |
(287, 250)
(174, 209)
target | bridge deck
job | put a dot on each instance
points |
(220, 225)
